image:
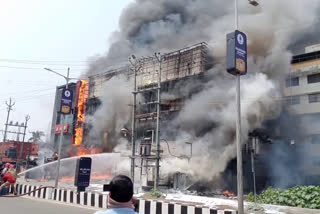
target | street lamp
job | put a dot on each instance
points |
(67, 78)
(238, 124)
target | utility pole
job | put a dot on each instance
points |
(157, 179)
(9, 109)
(27, 118)
(133, 125)
(253, 151)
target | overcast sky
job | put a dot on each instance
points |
(48, 33)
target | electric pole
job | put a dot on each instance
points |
(9, 109)
(157, 177)
(134, 62)
(27, 118)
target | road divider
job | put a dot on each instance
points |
(99, 200)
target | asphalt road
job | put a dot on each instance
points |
(24, 205)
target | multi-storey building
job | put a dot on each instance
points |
(302, 96)
(302, 90)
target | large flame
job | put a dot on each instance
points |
(81, 151)
(83, 95)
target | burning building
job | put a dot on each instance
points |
(74, 126)
(197, 96)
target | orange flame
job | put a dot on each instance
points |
(67, 179)
(81, 151)
(83, 95)
(228, 193)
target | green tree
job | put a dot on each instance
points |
(36, 136)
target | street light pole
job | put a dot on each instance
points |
(62, 126)
(238, 132)
(238, 123)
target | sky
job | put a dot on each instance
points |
(48, 33)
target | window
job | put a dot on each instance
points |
(294, 81)
(315, 139)
(11, 153)
(314, 98)
(313, 78)
(293, 100)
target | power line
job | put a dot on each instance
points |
(34, 68)
(32, 91)
(43, 61)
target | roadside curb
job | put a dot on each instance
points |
(98, 200)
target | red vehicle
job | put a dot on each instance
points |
(11, 152)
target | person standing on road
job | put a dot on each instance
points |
(121, 199)
(5, 168)
(9, 177)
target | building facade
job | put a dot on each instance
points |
(302, 90)
(56, 119)
(302, 97)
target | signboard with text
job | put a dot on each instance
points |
(237, 53)
(66, 101)
(83, 172)
(65, 128)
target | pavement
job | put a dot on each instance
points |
(26, 205)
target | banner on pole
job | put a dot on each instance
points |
(66, 101)
(237, 53)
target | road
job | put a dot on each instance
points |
(36, 206)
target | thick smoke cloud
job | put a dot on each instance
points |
(147, 26)
(112, 115)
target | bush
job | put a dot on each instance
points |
(155, 193)
(299, 196)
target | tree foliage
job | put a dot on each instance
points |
(36, 136)
(299, 196)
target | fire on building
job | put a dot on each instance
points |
(178, 70)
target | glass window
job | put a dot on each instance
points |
(315, 139)
(294, 81)
(11, 153)
(313, 78)
(314, 98)
(293, 100)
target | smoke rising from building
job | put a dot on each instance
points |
(208, 117)
(112, 115)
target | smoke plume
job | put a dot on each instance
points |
(208, 117)
(112, 115)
